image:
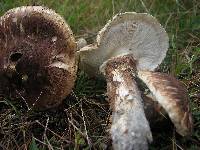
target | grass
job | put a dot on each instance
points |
(82, 121)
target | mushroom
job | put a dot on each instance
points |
(172, 96)
(129, 44)
(37, 56)
(153, 110)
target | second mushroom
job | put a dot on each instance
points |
(133, 45)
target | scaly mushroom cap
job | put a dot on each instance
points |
(37, 55)
(153, 110)
(139, 34)
(172, 95)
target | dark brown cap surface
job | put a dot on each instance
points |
(37, 55)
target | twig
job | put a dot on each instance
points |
(45, 129)
(48, 143)
(45, 136)
(53, 132)
(35, 101)
(23, 99)
(88, 140)
(83, 134)
(44, 143)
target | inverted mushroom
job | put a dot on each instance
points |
(37, 56)
(127, 33)
(129, 43)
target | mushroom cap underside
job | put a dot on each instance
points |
(139, 34)
(37, 48)
(172, 96)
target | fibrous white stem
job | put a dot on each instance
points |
(130, 128)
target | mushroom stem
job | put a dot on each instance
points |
(130, 128)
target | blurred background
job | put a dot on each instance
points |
(82, 122)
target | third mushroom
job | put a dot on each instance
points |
(132, 45)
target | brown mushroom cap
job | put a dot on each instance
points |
(153, 110)
(138, 34)
(37, 55)
(172, 95)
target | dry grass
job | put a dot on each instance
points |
(82, 121)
